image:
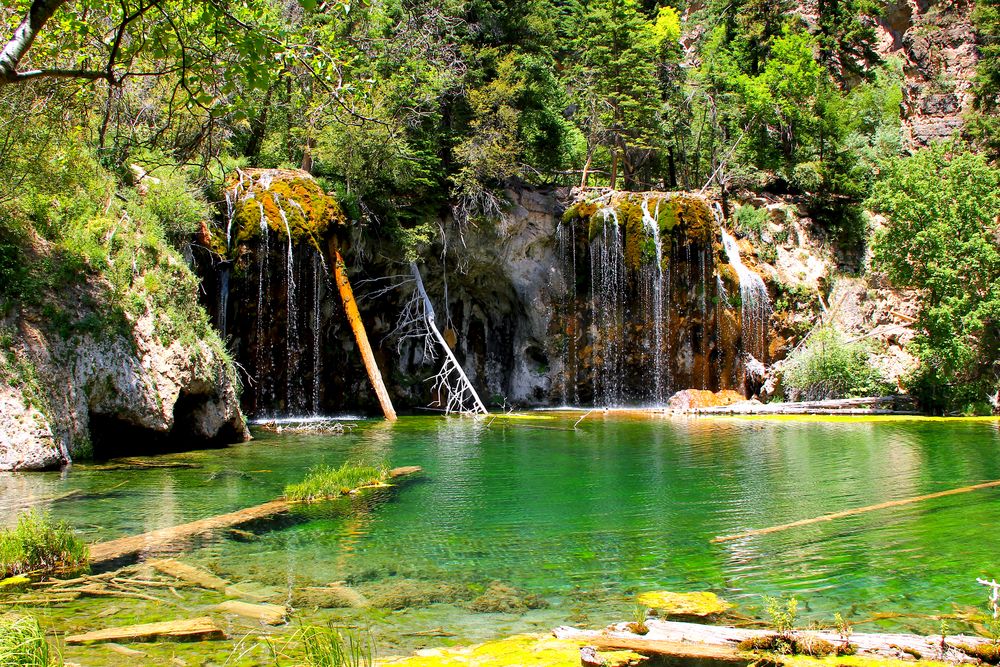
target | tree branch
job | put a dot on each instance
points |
(13, 52)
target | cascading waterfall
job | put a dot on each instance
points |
(262, 351)
(756, 303)
(566, 238)
(293, 397)
(654, 286)
(607, 269)
(320, 274)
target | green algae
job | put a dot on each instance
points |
(526, 650)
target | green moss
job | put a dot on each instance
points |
(790, 644)
(988, 653)
(501, 598)
(694, 217)
(282, 196)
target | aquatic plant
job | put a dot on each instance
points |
(38, 543)
(638, 624)
(325, 482)
(782, 613)
(22, 642)
(501, 598)
(337, 647)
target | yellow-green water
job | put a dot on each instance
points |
(586, 518)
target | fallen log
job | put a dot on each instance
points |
(360, 335)
(694, 640)
(195, 628)
(859, 510)
(271, 614)
(190, 574)
(123, 547)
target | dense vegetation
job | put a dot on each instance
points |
(39, 544)
(410, 109)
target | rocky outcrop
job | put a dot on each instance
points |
(936, 41)
(108, 393)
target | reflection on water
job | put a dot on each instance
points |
(588, 517)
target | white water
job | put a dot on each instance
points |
(653, 228)
(607, 268)
(756, 308)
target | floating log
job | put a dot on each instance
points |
(195, 628)
(360, 335)
(271, 614)
(190, 574)
(694, 640)
(859, 510)
(113, 550)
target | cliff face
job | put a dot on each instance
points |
(108, 392)
(936, 41)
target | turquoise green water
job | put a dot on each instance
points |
(588, 518)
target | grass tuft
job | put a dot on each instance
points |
(326, 482)
(332, 647)
(22, 642)
(38, 543)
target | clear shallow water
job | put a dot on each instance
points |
(588, 518)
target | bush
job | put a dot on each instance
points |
(830, 367)
(326, 482)
(22, 642)
(940, 237)
(39, 544)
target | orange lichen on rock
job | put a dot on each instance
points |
(692, 399)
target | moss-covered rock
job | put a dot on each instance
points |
(289, 201)
(501, 598)
(700, 604)
(412, 593)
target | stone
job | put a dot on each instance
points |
(693, 399)
(700, 604)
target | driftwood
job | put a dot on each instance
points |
(271, 614)
(108, 552)
(195, 628)
(859, 510)
(190, 574)
(686, 640)
(360, 335)
(878, 405)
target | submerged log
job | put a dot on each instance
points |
(195, 628)
(859, 510)
(190, 574)
(360, 335)
(123, 547)
(271, 614)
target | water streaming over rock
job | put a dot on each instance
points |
(607, 271)
(755, 306)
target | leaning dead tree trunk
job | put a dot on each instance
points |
(360, 335)
(463, 391)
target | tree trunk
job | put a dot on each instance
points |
(360, 335)
(586, 168)
(614, 167)
(258, 128)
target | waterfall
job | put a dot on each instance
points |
(292, 396)
(756, 303)
(262, 350)
(655, 282)
(607, 269)
(566, 236)
(223, 298)
(319, 277)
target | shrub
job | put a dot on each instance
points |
(326, 482)
(39, 544)
(22, 642)
(830, 367)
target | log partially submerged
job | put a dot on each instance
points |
(693, 640)
(202, 628)
(270, 614)
(858, 510)
(113, 550)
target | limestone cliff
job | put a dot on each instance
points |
(69, 391)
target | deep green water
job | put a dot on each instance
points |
(585, 518)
